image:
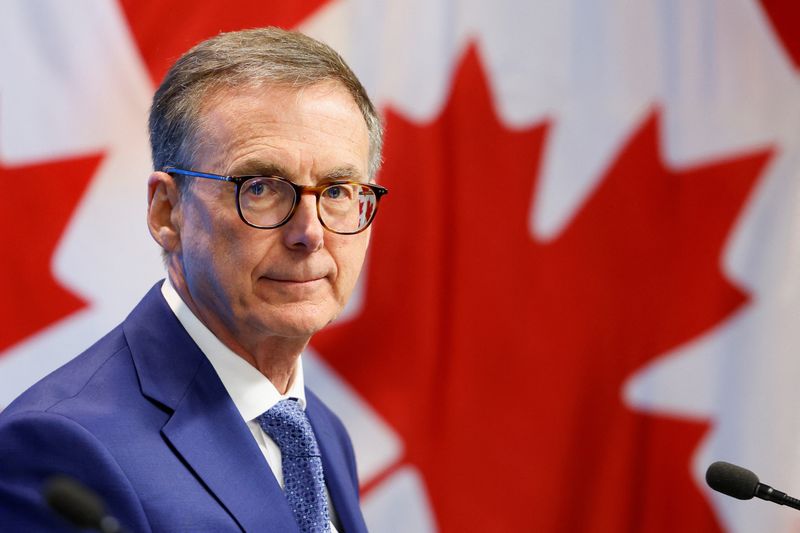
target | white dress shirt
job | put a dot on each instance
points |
(252, 393)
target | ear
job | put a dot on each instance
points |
(163, 211)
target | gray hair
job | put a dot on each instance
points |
(243, 59)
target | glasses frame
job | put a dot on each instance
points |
(299, 190)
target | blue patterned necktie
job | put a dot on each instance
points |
(303, 481)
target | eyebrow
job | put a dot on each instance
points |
(260, 168)
(343, 172)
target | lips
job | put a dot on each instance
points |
(293, 278)
(291, 288)
(297, 274)
(295, 281)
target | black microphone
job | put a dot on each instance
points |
(79, 505)
(741, 483)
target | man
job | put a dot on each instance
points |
(192, 414)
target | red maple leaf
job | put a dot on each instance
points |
(34, 212)
(500, 358)
(783, 16)
(162, 35)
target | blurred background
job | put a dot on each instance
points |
(582, 289)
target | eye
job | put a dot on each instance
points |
(262, 187)
(256, 188)
(334, 192)
(339, 192)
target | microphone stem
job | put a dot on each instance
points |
(765, 492)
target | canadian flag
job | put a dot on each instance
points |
(583, 288)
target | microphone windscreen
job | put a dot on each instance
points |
(732, 480)
(74, 502)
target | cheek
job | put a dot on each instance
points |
(235, 256)
(350, 259)
(214, 245)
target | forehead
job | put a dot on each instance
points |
(303, 130)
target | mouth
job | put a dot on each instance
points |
(278, 288)
(290, 282)
(294, 279)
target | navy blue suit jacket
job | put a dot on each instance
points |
(142, 419)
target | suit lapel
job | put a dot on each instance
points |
(205, 429)
(208, 432)
(338, 477)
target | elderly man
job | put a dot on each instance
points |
(192, 415)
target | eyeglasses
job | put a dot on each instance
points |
(267, 202)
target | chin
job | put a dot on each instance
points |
(295, 331)
(303, 322)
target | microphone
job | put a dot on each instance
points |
(743, 484)
(78, 505)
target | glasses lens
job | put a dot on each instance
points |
(265, 201)
(348, 207)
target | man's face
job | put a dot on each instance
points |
(248, 284)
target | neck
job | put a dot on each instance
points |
(275, 357)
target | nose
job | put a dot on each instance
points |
(304, 231)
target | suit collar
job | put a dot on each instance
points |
(205, 429)
(165, 357)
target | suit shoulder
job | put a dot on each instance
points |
(69, 380)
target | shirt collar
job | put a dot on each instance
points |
(252, 393)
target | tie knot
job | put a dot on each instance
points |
(286, 423)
